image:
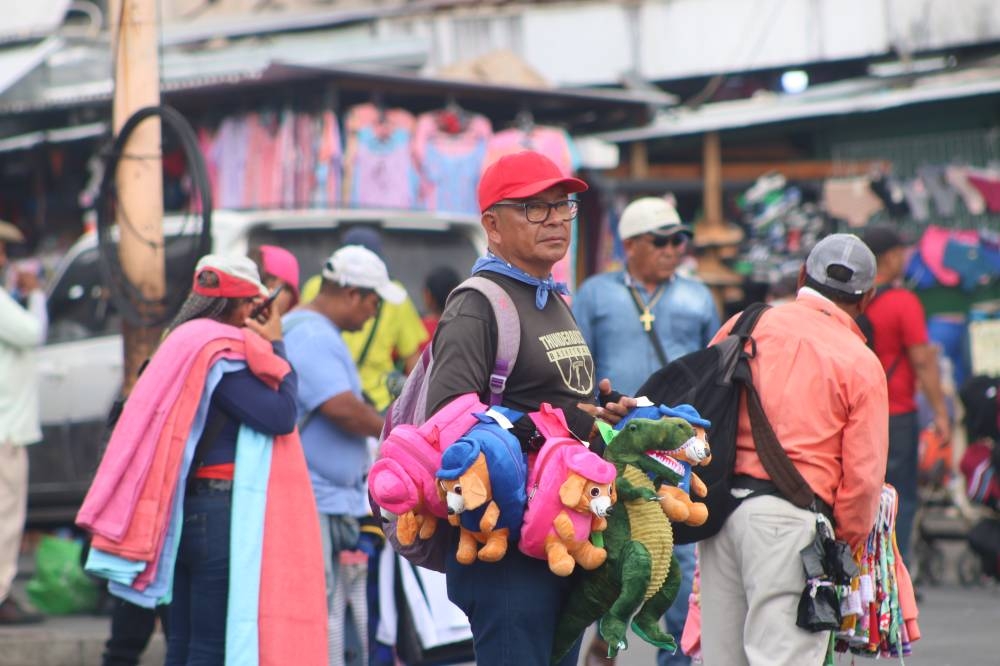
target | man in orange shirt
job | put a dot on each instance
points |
(824, 393)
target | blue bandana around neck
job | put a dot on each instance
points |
(493, 263)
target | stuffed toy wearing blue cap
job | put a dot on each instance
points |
(675, 491)
(482, 480)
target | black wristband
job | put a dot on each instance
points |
(613, 396)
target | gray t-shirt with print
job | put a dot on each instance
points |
(553, 365)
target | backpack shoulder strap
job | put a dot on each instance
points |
(748, 319)
(508, 332)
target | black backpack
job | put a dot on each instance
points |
(711, 380)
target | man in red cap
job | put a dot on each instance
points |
(513, 605)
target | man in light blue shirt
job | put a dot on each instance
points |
(334, 419)
(637, 320)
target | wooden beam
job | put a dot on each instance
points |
(638, 163)
(134, 40)
(712, 177)
(744, 171)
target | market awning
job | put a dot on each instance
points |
(842, 98)
(17, 61)
(61, 135)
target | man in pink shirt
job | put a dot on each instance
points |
(824, 392)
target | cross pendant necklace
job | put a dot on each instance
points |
(647, 317)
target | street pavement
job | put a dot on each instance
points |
(959, 626)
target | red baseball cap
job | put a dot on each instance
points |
(522, 175)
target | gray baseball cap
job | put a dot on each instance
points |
(842, 262)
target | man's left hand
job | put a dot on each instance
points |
(614, 410)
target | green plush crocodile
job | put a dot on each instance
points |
(640, 578)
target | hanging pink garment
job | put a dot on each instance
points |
(932, 246)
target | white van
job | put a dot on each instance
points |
(81, 363)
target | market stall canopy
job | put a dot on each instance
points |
(16, 62)
(855, 96)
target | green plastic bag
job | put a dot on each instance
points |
(60, 586)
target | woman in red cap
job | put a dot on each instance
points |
(217, 403)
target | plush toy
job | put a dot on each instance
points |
(482, 480)
(676, 495)
(402, 481)
(640, 578)
(570, 492)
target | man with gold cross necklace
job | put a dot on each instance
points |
(636, 320)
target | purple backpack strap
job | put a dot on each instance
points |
(508, 332)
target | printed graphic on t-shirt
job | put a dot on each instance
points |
(569, 352)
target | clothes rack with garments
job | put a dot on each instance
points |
(449, 147)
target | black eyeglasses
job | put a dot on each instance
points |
(537, 212)
(673, 240)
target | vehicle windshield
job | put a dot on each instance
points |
(80, 304)
(410, 255)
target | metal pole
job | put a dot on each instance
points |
(139, 178)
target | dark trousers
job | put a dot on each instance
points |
(201, 583)
(513, 606)
(131, 628)
(901, 472)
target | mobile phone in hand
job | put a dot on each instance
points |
(262, 307)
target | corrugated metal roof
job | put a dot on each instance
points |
(31, 19)
(847, 97)
(86, 77)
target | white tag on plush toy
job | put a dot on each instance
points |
(501, 420)
(643, 401)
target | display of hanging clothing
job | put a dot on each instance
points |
(932, 248)
(958, 178)
(449, 147)
(987, 182)
(890, 191)
(945, 197)
(552, 142)
(269, 159)
(975, 263)
(917, 199)
(378, 164)
(851, 199)
(228, 156)
(329, 163)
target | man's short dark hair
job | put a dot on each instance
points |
(834, 295)
(440, 282)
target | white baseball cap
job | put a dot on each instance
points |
(650, 215)
(237, 277)
(356, 266)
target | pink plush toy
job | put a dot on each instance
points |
(570, 491)
(402, 481)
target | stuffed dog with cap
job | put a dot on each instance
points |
(675, 492)
(570, 492)
(403, 480)
(482, 481)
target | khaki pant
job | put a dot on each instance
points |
(13, 505)
(751, 581)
